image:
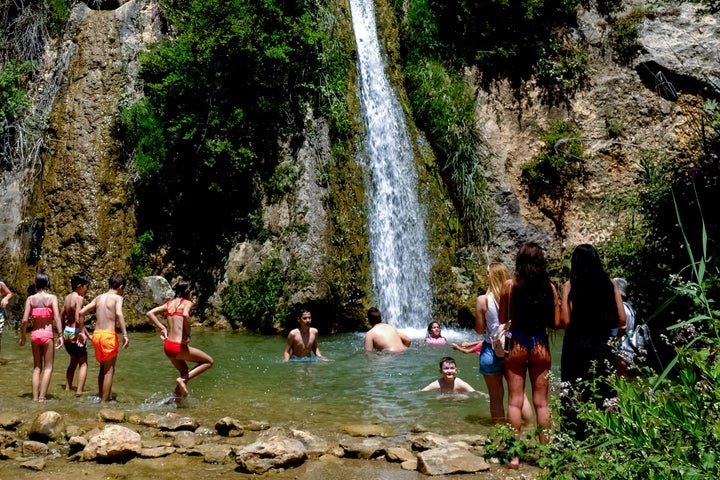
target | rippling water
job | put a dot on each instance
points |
(249, 381)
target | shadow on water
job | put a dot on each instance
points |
(249, 381)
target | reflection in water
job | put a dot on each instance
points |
(249, 381)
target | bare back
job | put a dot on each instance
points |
(386, 338)
(108, 310)
(71, 310)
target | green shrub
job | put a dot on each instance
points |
(253, 303)
(551, 177)
(624, 33)
(562, 69)
(139, 253)
(142, 129)
(13, 97)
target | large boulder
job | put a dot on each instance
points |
(275, 448)
(113, 443)
(47, 426)
(448, 460)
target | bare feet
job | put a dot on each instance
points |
(181, 383)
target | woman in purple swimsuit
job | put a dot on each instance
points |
(530, 301)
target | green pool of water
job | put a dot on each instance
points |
(249, 381)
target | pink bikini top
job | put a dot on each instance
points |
(436, 341)
(41, 312)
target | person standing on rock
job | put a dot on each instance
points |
(108, 313)
(43, 308)
(382, 336)
(176, 337)
(75, 335)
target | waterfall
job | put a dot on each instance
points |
(400, 264)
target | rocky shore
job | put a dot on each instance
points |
(119, 445)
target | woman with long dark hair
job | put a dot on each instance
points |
(591, 308)
(530, 302)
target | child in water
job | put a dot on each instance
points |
(176, 337)
(43, 308)
(434, 336)
(448, 382)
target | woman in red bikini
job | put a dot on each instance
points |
(43, 308)
(177, 337)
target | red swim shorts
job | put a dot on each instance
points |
(106, 344)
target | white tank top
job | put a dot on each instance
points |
(491, 318)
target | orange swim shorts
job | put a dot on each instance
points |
(105, 343)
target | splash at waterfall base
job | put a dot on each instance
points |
(118, 445)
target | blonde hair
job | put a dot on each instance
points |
(498, 274)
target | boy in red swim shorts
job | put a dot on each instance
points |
(108, 312)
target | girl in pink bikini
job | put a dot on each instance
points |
(43, 308)
(434, 337)
(177, 335)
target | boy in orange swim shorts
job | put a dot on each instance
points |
(108, 312)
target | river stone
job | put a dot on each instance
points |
(428, 440)
(185, 439)
(362, 448)
(6, 439)
(256, 426)
(366, 430)
(174, 422)
(399, 454)
(314, 445)
(154, 290)
(229, 427)
(9, 421)
(31, 448)
(157, 452)
(448, 460)
(469, 438)
(216, 453)
(47, 426)
(34, 464)
(274, 449)
(110, 415)
(77, 443)
(114, 442)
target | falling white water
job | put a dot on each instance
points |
(400, 265)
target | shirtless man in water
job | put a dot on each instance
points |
(302, 341)
(383, 336)
(108, 311)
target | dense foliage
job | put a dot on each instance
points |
(222, 94)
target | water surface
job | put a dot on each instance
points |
(250, 381)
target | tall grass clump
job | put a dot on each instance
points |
(446, 105)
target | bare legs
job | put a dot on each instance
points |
(517, 364)
(79, 363)
(43, 356)
(105, 379)
(194, 355)
(496, 390)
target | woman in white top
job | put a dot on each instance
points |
(487, 323)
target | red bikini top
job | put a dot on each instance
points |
(177, 312)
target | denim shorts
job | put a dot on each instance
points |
(490, 364)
